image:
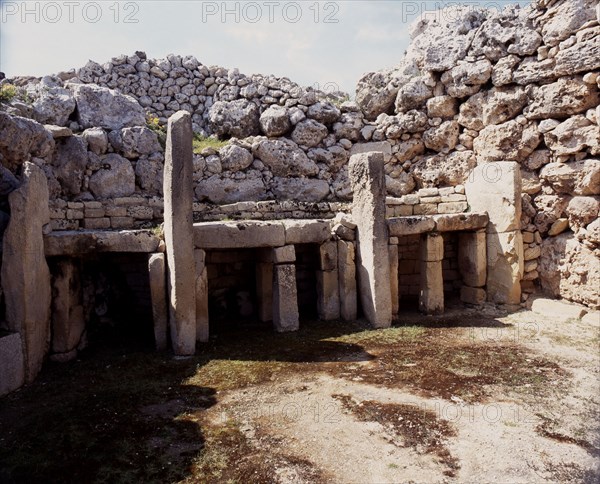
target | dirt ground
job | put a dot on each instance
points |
(473, 396)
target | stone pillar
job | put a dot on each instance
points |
(495, 188)
(395, 293)
(25, 274)
(181, 266)
(285, 295)
(12, 367)
(202, 323)
(264, 290)
(347, 280)
(431, 295)
(472, 265)
(158, 294)
(328, 291)
(368, 212)
(68, 318)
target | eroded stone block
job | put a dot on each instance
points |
(328, 295)
(158, 295)
(285, 298)
(347, 280)
(472, 258)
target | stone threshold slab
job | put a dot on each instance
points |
(420, 224)
(81, 242)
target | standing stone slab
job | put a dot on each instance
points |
(328, 295)
(285, 298)
(368, 211)
(202, 323)
(504, 267)
(431, 294)
(25, 273)
(68, 318)
(395, 292)
(158, 294)
(347, 280)
(12, 370)
(472, 258)
(264, 290)
(179, 237)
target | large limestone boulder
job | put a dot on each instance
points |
(8, 182)
(466, 78)
(116, 178)
(275, 121)
(413, 94)
(226, 190)
(574, 135)
(25, 274)
(443, 170)
(235, 158)
(375, 94)
(105, 108)
(570, 270)
(52, 103)
(562, 19)
(21, 138)
(561, 99)
(238, 119)
(507, 141)
(149, 174)
(496, 106)
(300, 189)
(582, 211)
(309, 133)
(285, 158)
(135, 142)
(97, 140)
(578, 177)
(69, 163)
(584, 56)
(324, 113)
(400, 185)
(442, 138)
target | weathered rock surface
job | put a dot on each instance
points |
(574, 135)
(70, 162)
(53, 104)
(443, 170)
(238, 118)
(300, 189)
(561, 99)
(275, 121)
(116, 178)
(496, 106)
(309, 133)
(22, 138)
(235, 158)
(226, 190)
(577, 177)
(507, 141)
(285, 158)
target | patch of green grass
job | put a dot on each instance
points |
(7, 92)
(386, 336)
(201, 142)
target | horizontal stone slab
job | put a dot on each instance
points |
(83, 242)
(307, 231)
(410, 225)
(238, 235)
(461, 221)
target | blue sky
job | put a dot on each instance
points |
(328, 44)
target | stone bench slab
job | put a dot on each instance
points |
(420, 224)
(74, 243)
(238, 235)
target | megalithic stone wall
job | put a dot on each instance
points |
(179, 237)
(496, 189)
(368, 211)
(25, 273)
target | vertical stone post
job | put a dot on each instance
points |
(264, 289)
(68, 319)
(431, 295)
(328, 290)
(202, 323)
(395, 293)
(285, 296)
(25, 273)
(496, 189)
(158, 295)
(347, 280)
(179, 240)
(472, 265)
(368, 212)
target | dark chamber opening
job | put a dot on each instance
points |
(307, 264)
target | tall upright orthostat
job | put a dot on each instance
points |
(178, 193)
(368, 211)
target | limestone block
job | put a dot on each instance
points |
(264, 290)
(472, 258)
(495, 188)
(71, 243)
(472, 295)
(328, 256)
(285, 298)
(25, 274)
(368, 212)
(12, 369)
(432, 247)
(347, 280)
(393, 252)
(328, 295)
(179, 236)
(284, 255)
(410, 225)
(431, 293)
(238, 235)
(460, 221)
(202, 322)
(504, 267)
(68, 320)
(158, 295)
(306, 231)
